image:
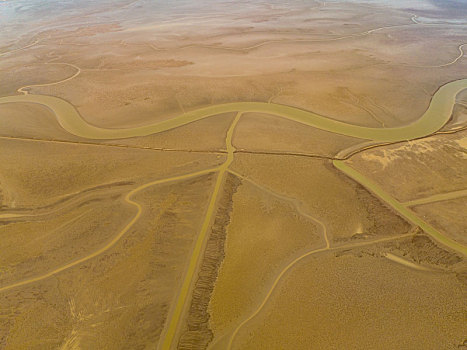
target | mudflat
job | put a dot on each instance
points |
(219, 175)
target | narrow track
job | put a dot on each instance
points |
(197, 251)
(35, 42)
(291, 265)
(116, 238)
(297, 204)
(437, 198)
(441, 106)
(85, 143)
(457, 58)
(399, 207)
(78, 72)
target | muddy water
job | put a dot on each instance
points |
(399, 207)
(437, 114)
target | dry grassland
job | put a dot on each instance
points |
(204, 135)
(266, 133)
(358, 299)
(419, 168)
(121, 298)
(264, 234)
(445, 216)
(348, 211)
(29, 120)
(35, 174)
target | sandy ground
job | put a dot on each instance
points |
(445, 215)
(265, 133)
(98, 236)
(348, 211)
(206, 135)
(91, 300)
(351, 298)
(32, 176)
(269, 226)
(419, 168)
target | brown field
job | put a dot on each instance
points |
(266, 133)
(94, 308)
(358, 299)
(239, 230)
(417, 169)
(32, 176)
(272, 228)
(445, 216)
(207, 135)
(28, 120)
(348, 210)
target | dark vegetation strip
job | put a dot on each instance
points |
(197, 334)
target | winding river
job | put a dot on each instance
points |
(434, 118)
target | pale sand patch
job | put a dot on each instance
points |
(404, 262)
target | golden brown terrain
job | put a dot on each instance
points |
(245, 227)
(328, 302)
